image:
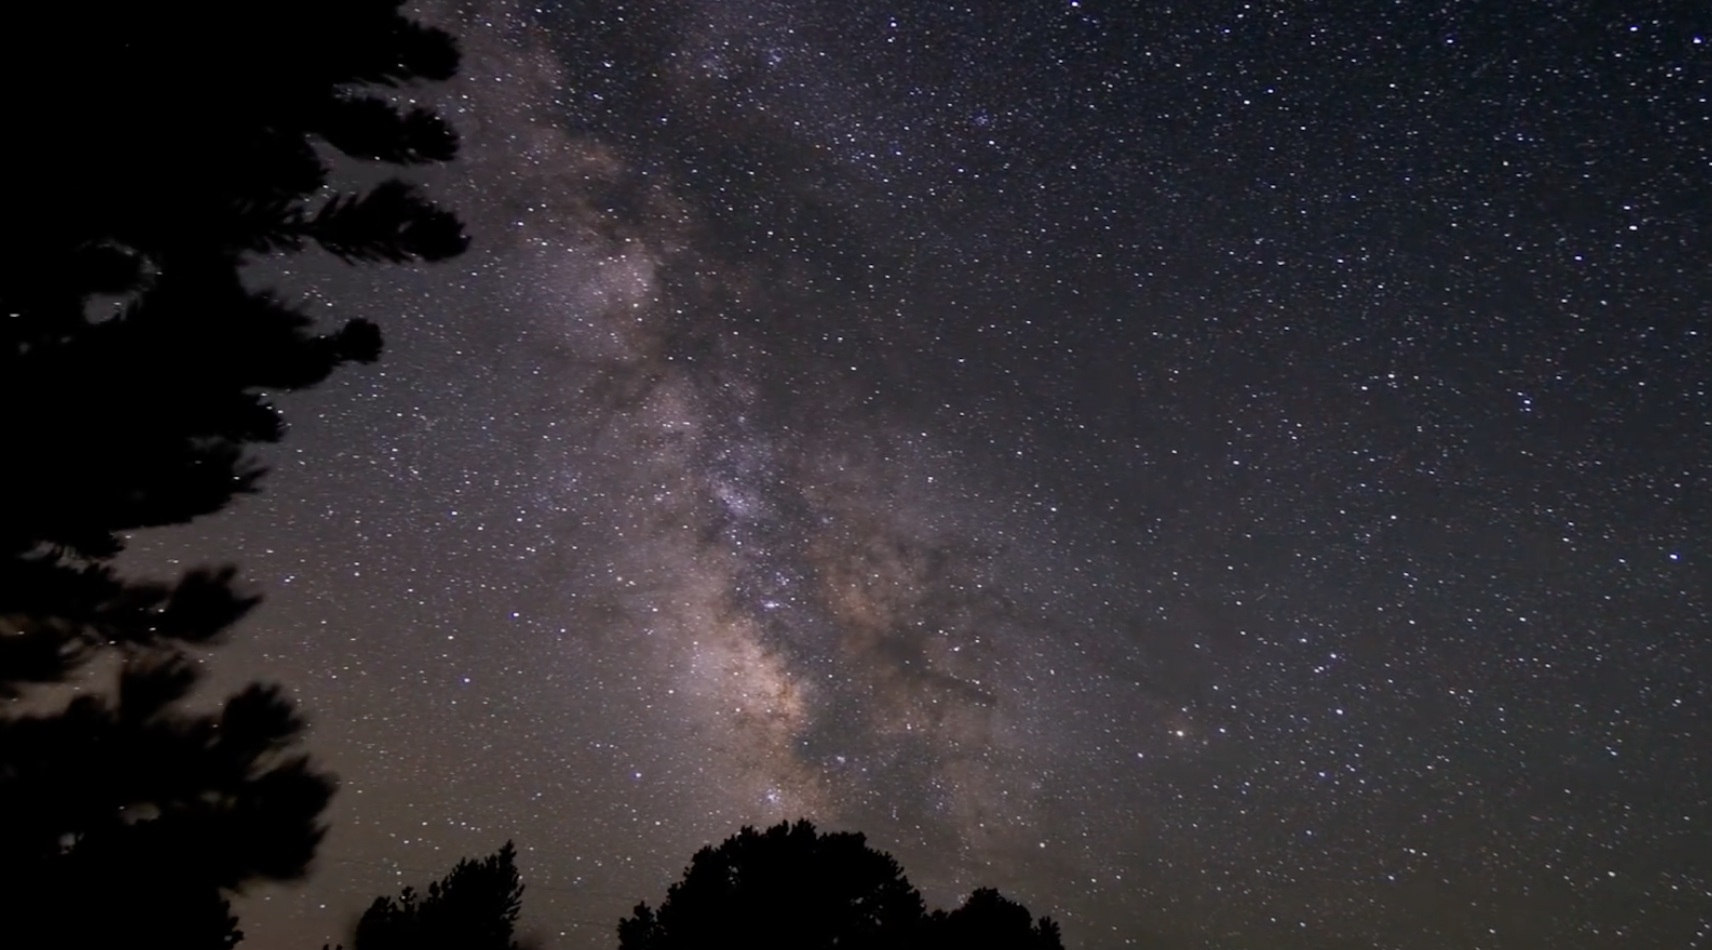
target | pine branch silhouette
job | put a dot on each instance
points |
(176, 143)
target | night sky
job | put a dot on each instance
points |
(1230, 475)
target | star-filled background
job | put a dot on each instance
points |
(1230, 475)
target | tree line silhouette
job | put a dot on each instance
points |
(789, 887)
(176, 144)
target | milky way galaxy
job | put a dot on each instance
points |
(1223, 476)
(803, 591)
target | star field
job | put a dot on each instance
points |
(1228, 475)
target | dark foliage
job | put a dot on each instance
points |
(175, 140)
(473, 908)
(154, 149)
(988, 921)
(792, 887)
(127, 818)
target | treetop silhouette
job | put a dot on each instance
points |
(989, 921)
(473, 908)
(793, 887)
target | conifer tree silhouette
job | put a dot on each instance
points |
(123, 820)
(160, 147)
(473, 908)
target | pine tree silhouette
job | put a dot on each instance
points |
(159, 148)
(183, 143)
(473, 908)
(123, 820)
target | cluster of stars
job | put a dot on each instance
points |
(1226, 475)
